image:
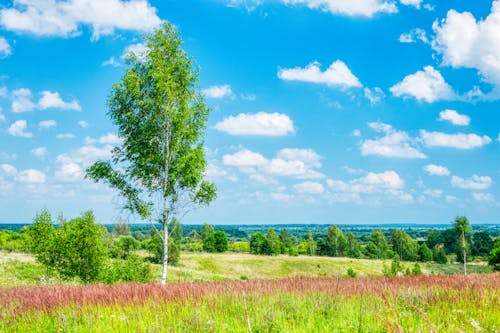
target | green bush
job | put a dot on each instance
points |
(131, 269)
(351, 272)
(239, 247)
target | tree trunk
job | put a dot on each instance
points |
(165, 253)
(465, 263)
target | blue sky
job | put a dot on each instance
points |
(323, 111)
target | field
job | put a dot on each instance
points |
(21, 269)
(370, 304)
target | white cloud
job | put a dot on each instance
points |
(64, 18)
(263, 179)
(454, 117)
(296, 163)
(413, 36)
(262, 123)
(30, 176)
(356, 133)
(21, 100)
(47, 124)
(218, 91)
(8, 169)
(338, 74)
(2, 117)
(393, 144)
(65, 136)
(5, 49)
(309, 188)
(51, 100)
(427, 85)
(278, 196)
(39, 152)
(366, 8)
(69, 172)
(385, 184)
(374, 95)
(483, 197)
(19, 129)
(466, 42)
(244, 158)
(83, 124)
(474, 183)
(7, 156)
(139, 50)
(458, 141)
(436, 170)
(107, 139)
(414, 3)
(111, 62)
(308, 156)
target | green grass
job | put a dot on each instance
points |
(21, 269)
(419, 309)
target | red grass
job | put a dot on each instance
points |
(46, 298)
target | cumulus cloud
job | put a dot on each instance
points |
(474, 183)
(436, 170)
(458, 141)
(83, 124)
(71, 165)
(261, 123)
(69, 172)
(39, 152)
(47, 124)
(337, 75)
(295, 163)
(427, 85)
(65, 136)
(309, 188)
(21, 100)
(413, 36)
(30, 176)
(414, 3)
(8, 169)
(107, 139)
(218, 91)
(366, 8)
(5, 49)
(52, 100)
(454, 117)
(138, 50)
(394, 143)
(466, 42)
(64, 18)
(18, 128)
(483, 197)
(374, 95)
(387, 183)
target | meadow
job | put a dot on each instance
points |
(368, 304)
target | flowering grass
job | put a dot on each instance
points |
(371, 304)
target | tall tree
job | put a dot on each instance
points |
(462, 230)
(158, 167)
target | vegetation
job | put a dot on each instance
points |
(158, 169)
(405, 304)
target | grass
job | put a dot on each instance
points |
(370, 304)
(21, 269)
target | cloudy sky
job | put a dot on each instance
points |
(323, 111)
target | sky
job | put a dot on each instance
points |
(322, 111)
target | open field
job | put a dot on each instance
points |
(21, 269)
(370, 304)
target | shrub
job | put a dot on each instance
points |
(239, 247)
(132, 269)
(351, 272)
(416, 269)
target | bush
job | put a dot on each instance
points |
(416, 269)
(351, 272)
(132, 269)
(239, 247)
(155, 247)
(220, 241)
(123, 246)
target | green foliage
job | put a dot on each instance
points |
(273, 242)
(121, 229)
(286, 239)
(403, 245)
(132, 269)
(239, 247)
(161, 120)
(462, 230)
(424, 253)
(394, 269)
(259, 244)
(433, 238)
(353, 248)
(194, 236)
(439, 255)
(482, 244)
(123, 246)
(220, 241)
(336, 242)
(209, 244)
(377, 246)
(207, 230)
(416, 269)
(155, 247)
(351, 272)
(175, 231)
(311, 244)
(494, 257)
(76, 249)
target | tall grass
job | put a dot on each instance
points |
(378, 304)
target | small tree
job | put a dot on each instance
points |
(273, 242)
(424, 253)
(494, 257)
(336, 242)
(158, 168)
(220, 241)
(123, 246)
(462, 230)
